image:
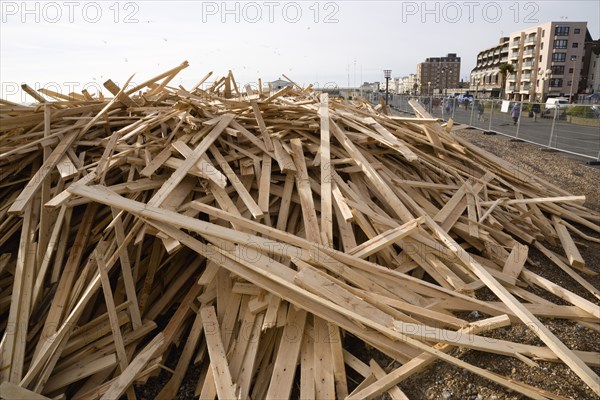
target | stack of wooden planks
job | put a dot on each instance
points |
(251, 233)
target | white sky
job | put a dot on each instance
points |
(83, 43)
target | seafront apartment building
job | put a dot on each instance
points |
(547, 59)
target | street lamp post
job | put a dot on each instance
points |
(544, 75)
(430, 96)
(446, 71)
(387, 73)
(444, 89)
(572, 82)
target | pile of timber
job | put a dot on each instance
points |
(249, 233)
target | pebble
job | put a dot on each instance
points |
(474, 314)
(446, 394)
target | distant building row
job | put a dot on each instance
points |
(435, 75)
(555, 59)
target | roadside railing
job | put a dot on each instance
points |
(573, 128)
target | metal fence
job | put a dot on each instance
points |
(573, 128)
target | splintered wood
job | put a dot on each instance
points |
(251, 234)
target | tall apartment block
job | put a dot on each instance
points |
(548, 62)
(485, 77)
(438, 74)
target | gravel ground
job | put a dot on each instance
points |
(444, 381)
(569, 172)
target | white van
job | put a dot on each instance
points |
(557, 102)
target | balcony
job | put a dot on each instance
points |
(528, 65)
(528, 54)
(525, 77)
(504, 59)
(526, 87)
(512, 77)
(531, 39)
(514, 54)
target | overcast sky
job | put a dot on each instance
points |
(83, 43)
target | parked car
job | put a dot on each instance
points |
(462, 97)
(557, 102)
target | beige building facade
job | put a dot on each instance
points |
(547, 59)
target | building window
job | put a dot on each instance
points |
(573, 58)
(556, 82)
(569, 83)
(559, 57)
(576, 30)
(575, 45)
(541, 58)
(558, 69)
(560, 44)
(543, 32)
(570, 70)
(542, 46)
(561, 31)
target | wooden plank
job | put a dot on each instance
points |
(79, 371)
(538, 200)
(286, 164)
(18, 206)
(307, 365)
(396, 144)
(13, 345)
(169, 391)
(394, 392)
(341, 203)
(12, 391)
(218, 360)
(385, 239)
(124, 381)
(573, 254)
(323, 360)
(111, 310)
(388, 195)
(183, 170)
(287, 355)
(564, 353)
(129, 282)
(68, 275)
(265, 184)
(516, 260)
(237, 184)
(205, 168)
(326, 173)
(261, 125)
(419, 363)
(309, 215)
(305, 302)
(337, 353)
